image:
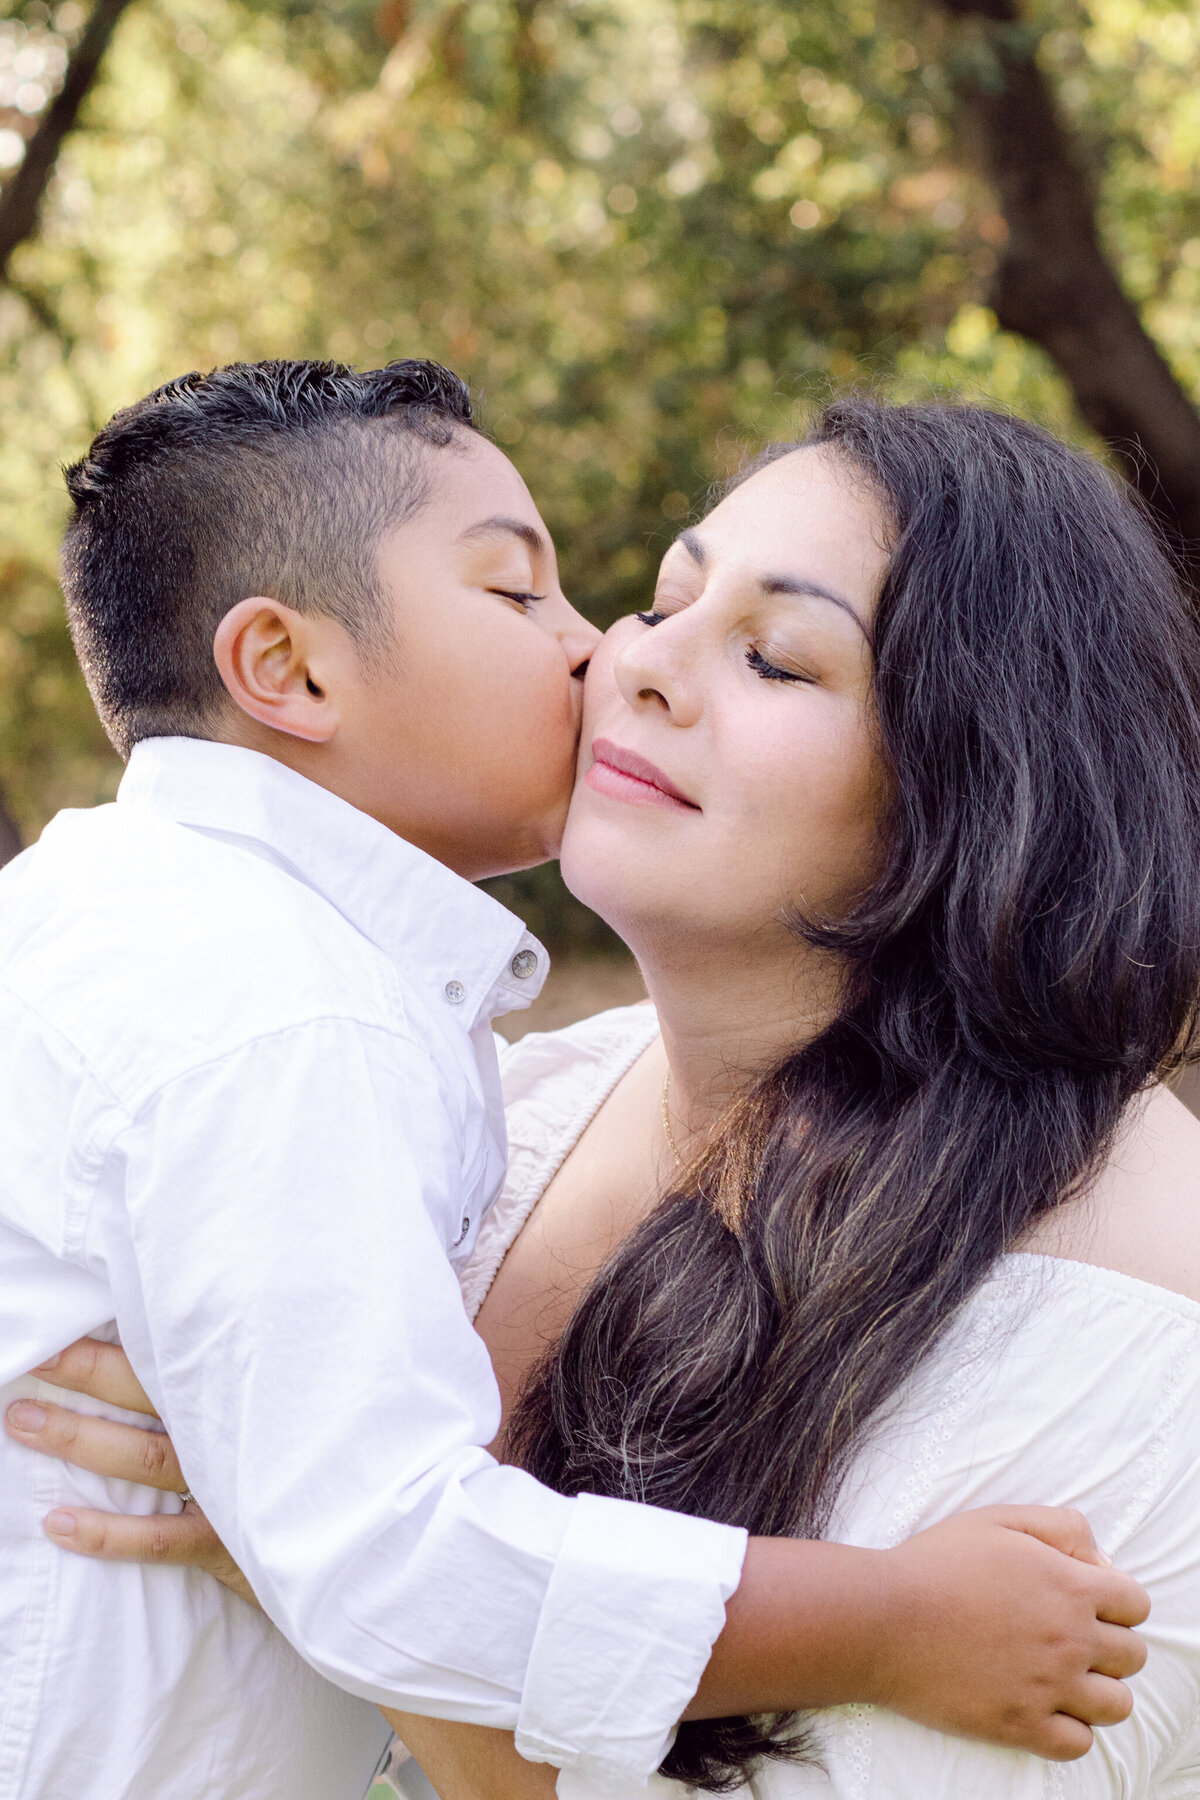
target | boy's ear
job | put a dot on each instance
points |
(271, 658)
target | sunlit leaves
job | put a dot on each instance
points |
(650, 231)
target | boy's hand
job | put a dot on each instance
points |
(1009, 1624)
(1005, 1624)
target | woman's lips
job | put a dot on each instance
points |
(624, 775)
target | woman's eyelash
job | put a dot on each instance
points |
(768, 670)
(521, 599)
(757, 661)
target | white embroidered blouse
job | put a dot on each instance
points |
(1062, 1384)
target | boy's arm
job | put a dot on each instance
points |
(1003, 1623)
(878, 1628)
(274, 1226)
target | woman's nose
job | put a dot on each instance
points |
(655, 668)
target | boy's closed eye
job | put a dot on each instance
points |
(521, 598)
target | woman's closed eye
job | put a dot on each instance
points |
(770, 671)
(666, 606)
(762, 665)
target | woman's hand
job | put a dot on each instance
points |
(463, 1762)
(127, 1453)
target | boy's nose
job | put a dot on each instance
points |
(580, 646)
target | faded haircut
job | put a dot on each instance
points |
(273, 478)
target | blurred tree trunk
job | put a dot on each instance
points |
(22, 196)
(1053, 282)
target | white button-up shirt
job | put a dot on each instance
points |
(250, 1121)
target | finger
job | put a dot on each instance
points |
(1098, 1701)
(102, 1370)
(127, 1452)
(184, 1538)
(1062, 1527)
(1121, 1600)
(1064, 1739)
(1120, 1653)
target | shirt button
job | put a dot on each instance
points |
(455, 992)
(524, 964)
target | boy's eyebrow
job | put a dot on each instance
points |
(499, 526)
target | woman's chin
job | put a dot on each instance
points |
(646, 914)
(602, 868)
(590, 881)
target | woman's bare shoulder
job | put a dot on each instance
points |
(1141, 1216)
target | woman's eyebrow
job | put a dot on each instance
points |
(502, 527)
(805, 589)
(800, 585)
(693, 546)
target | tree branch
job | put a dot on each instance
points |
(1055, 285)
(10, 837)
(21, 200)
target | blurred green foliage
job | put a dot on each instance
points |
(652, 233)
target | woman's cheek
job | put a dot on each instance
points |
(599, 687)
(848, 826)
(810, 810)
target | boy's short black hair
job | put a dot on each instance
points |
(275, 478)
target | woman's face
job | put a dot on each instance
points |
(728, 767)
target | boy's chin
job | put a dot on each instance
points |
(515, 866)
(511, 859)
(525, 846)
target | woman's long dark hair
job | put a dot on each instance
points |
(1026, 962)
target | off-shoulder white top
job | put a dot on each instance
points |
(1061, 1383)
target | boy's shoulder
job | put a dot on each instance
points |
(121, 925)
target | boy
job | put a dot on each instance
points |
(251, 1121)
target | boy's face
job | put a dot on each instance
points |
(464, 733)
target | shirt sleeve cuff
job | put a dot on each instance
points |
(633, 1607)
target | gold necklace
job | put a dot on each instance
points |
(666, 1119)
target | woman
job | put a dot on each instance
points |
(895, 795)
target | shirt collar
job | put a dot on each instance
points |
(454, 942)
